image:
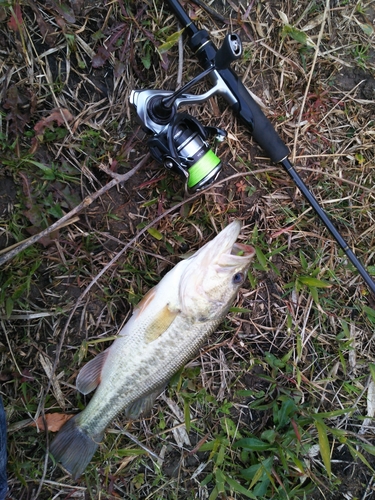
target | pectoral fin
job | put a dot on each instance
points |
(160, 322)
(89, 377)
(161, 319)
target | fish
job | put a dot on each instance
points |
(167, 328)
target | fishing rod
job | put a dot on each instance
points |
(179, 141)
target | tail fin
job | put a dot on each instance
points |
(73, 447)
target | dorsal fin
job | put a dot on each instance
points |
(142, 304)
(89, 377)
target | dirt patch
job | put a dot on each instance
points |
(351, 478)
(348, 78)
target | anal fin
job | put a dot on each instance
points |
(143, 405)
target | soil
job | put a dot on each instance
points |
(348, 78)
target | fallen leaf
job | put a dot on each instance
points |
(64, 10)
(15, 22)
(54, 421)
(58, 115)
(100, 57)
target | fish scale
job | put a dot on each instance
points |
(167, 328)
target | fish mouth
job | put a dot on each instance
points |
(226, 243)
(242, 250)
(239, 255)
(233, 253)
(224, 250)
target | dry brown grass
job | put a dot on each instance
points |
(62, 297)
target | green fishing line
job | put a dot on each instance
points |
(202, 168)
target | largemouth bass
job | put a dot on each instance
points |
(166, 330)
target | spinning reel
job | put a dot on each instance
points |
(178, 140)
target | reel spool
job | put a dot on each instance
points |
(182, 147)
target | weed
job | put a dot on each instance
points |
(361, 54)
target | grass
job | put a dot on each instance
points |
(279, 403)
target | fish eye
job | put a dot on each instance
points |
(238, 278)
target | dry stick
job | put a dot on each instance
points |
(131, 242)
(117, 179)
(326, 9)
(333, 176)
(18, 244)
(180, 60)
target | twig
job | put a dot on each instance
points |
(19, 243)
(180, 61)
(131, 242)
(332, 176)
(117, 179)
(213, 13)
(326, 10)
(141, 445)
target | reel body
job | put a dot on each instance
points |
(178, 141)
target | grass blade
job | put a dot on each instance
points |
(325, 449)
